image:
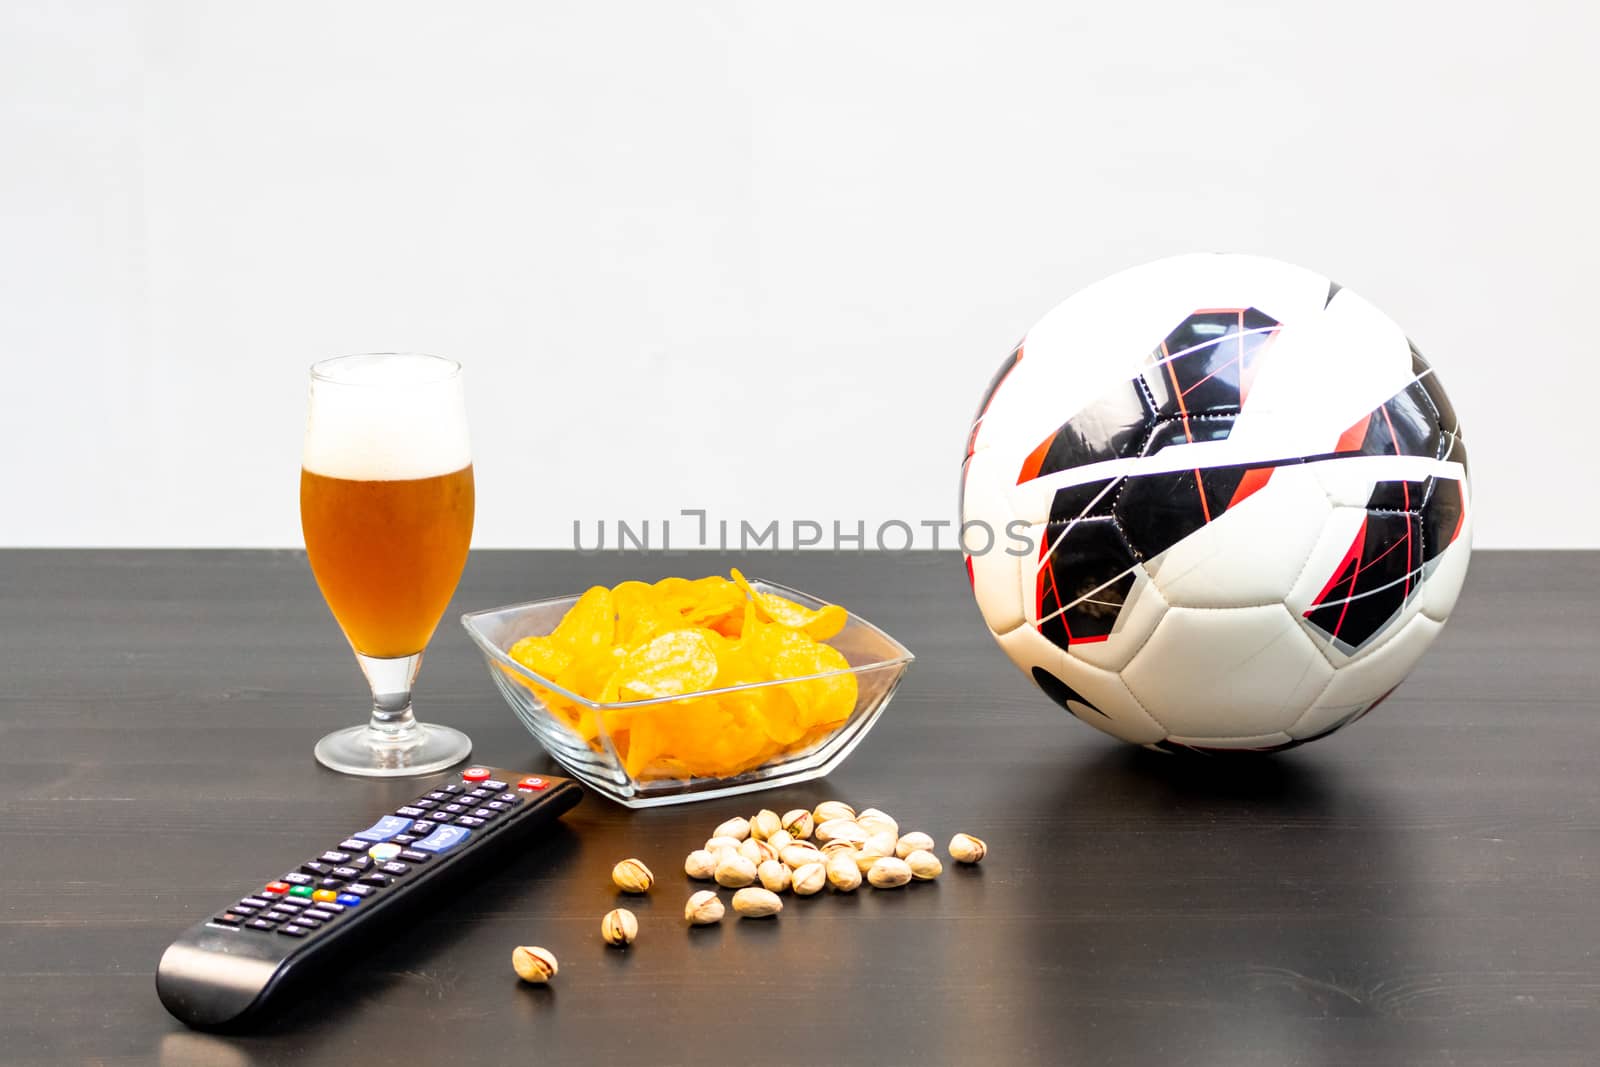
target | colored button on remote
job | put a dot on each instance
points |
(301, 891)
(384, 828)
(475, 774)
(325, 896)
(348, 900)
(533, 784)
(384, 851)
(277, 889)
(443, 839)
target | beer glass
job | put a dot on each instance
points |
(386, 504)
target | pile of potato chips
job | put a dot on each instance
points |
(677, 638)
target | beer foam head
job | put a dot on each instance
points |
(386, 417)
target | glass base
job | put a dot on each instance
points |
(420, 748)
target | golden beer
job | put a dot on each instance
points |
(387, 554)
(386, 502)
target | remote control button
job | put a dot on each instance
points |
(359, 890)
(384, 852)
(361, 862)
(289, 904)
(325, 896)
(379, 880)
(508, 799)
(241, 909)
(439, 794)
(409, 812)
(475, 774)
(443, 839)
(349, 900)
(424, 804)
(495, 784)
(318, 914)
(230, 918)
(385, 828)
(456, 809)
(331, 883)
(420, 828)
(277, 889)
(350, 844)
(346, 873)
(468, 821)
(331, 856)
(497, 806)
(301, 891)
(261, 924)
(396, 868)
(293, 931)
(484, 813)
(481, 794)
(451, 788)
(411, 855)
(278, 915)
(532, 784)
(334, 908)
(315, 868)
(296, 878)
(253, 902)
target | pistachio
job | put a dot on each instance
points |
(799, 822)
(756, 903)
(619, 927)
(765, 824)
(829, 810)
(883, 842)
(797, 856)
(719, 842)
(865, 857)
(773, 875)
(781, 840)
(723, 853)
(700, 865)
(534, 964)
(757, 852)
(837, 846)
(809, 879)
(964, 848)
(913, 842)
(632, 876)
(841, 830)
(737, 828)
(734, 872)
(890, 872)
(842, 872)
(874, 821)
(704, 908)
(925, 866)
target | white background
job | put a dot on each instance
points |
(751, 257)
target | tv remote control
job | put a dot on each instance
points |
(227, 971)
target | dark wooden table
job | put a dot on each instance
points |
(1420, 889)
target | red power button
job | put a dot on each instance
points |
(532, 784)
(475, 774)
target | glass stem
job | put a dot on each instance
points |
(392, 723)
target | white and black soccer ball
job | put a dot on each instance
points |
(1246, 497)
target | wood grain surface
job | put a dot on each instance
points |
(1422, 888)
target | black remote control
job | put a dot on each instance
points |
(225, 972)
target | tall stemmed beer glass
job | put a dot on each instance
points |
(386, 504)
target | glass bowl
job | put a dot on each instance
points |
(877, 662)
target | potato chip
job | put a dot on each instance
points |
(819, 625)
(670, 665)
(590, 623)
(541, 655)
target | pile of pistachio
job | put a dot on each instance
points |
(804, 851)
(801, 852)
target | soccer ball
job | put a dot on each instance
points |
(1216, 502)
